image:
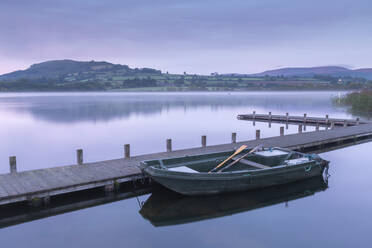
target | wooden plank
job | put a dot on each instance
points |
(251, 163)
(107, 169)
(24, 181)
(69, 173)
(36, 181)
(5, 184)
(60, 178)
(3, 192)
(14, 182)
(49, 178)
(85, 171)
(79, 173)
(117, 168)
(94, 174)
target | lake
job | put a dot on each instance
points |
(45, 129)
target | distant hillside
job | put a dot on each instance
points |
(70, 75)
(365, 73)
(74, 71)
(335, 71)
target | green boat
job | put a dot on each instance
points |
(229, 171)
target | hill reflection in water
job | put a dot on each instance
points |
(93, 107)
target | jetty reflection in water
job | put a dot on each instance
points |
(165, 207)
(22, 212)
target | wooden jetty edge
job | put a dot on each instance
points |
(309, 121)
(46, 183)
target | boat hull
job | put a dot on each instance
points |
(216, 183)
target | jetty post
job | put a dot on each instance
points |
(233, 138)
(281, 131)
(127, 151)
(258, 133)
(204, 141)
(79, 156)
(169, 145)
(332, 125)
(300, 128)
(13, 164)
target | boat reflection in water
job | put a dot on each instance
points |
(165, 207)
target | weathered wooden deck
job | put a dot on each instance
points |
(310, 121)
(44, 183)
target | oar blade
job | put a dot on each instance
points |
(239, 150)
(236, 161)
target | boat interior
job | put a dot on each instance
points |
(261, 159)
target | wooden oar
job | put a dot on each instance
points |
(240, 149)
(236, 161)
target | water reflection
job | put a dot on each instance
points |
(22, 212)
(165, 207)
(76, 107)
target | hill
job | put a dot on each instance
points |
(70, 75)
(75, 71)
(335, 71)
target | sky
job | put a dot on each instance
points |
(196, 36)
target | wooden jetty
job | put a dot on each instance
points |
(309, 121)
(44, 184)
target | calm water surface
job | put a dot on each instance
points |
(44, 130)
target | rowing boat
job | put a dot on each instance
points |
(197, 175)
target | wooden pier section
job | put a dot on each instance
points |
(309, 121)
(44, 184)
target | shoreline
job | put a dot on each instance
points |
(184, 91)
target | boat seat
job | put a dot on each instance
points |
(183, 169)
(251, 163)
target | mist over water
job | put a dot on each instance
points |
(45, 129)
